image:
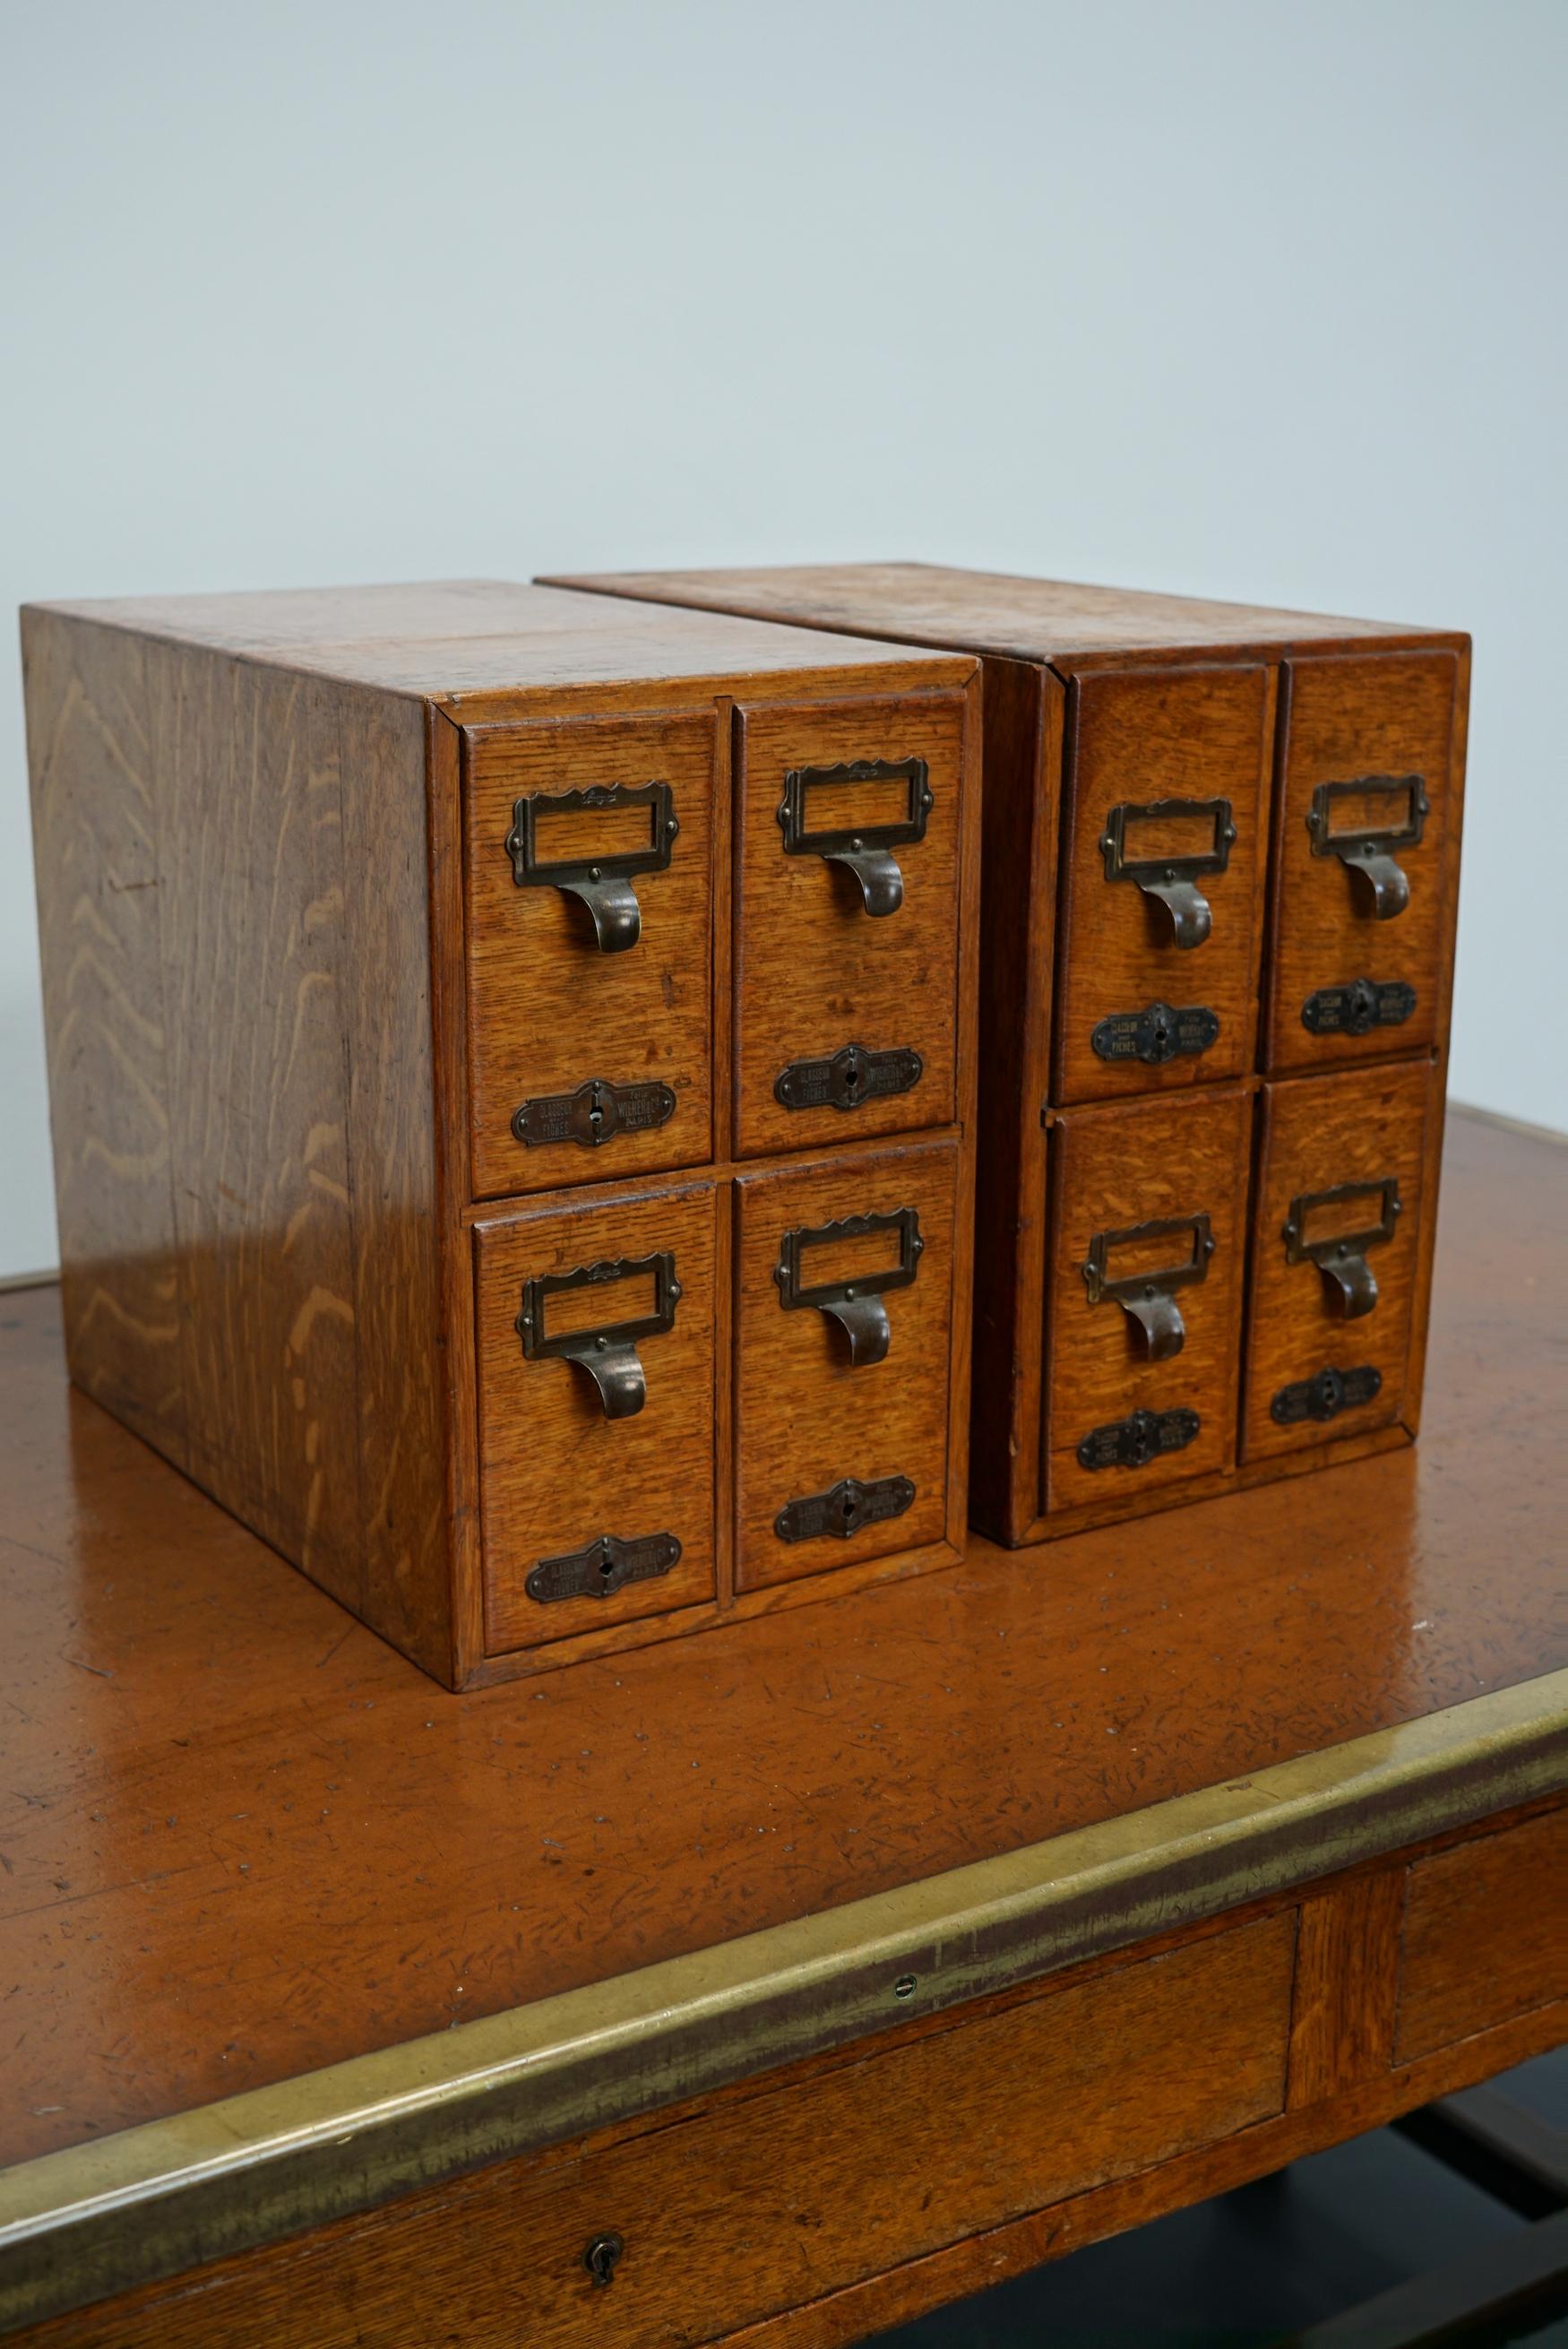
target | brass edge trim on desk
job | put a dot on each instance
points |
(155, 2201)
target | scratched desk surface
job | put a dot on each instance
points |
(240, 1838)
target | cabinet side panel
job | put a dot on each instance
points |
(1019, 809)
(414, 1361)
(274, 828)
(95, 849)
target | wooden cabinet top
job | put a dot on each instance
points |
(453, 639)
(995, 612)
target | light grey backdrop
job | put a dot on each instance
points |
(1234, 296)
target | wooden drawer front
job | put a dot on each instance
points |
(1347, 984)
(1140, 740)
(557, 1472)
(1113, 1172)
(548, 1010)
(1486, 1935)
(1365, 1136)
(815, 973)
(810, 1412)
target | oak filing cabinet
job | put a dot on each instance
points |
(511, 1060)
(1219, 879)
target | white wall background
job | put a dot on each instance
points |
(1235, 296)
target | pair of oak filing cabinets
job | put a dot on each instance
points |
(545, 1084)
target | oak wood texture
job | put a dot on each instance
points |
(1347, 1983)
(814, 971)
(214, 1776)
(807, 1416)
(1361, 695)
(1317, 1134)
(1138, 736)
(1484, 1936)
(237, 998)
(988, 612)
(1113, 1169)
(294, 997)
(1344, 718)
(547, 1011)
(555, 1473)
(1031, 2121)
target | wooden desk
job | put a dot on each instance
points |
(840, 1961)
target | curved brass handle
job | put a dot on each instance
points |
(608, 1353)
(602, 882)
(855, 1303)
(1350, 1283)
(1378, 880)
(1171, 879)
(1146, 1296)
(864, 849)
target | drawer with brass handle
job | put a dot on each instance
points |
(1365, 818)
(844, 1304)
(1147, 1225)
(1336, 1251)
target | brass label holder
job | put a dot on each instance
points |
(1350, 1285)
(1147, 1297)
(865, 849)
(602, 883)
(608, 1352)
(1378, 880)
(1171, 880)
(855, 1303)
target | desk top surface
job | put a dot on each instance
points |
(240, 1838)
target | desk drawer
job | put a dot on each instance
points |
(1143, 1315)
(1361, 920)
(1486, 1935)
(1161, 885)
(596, 1345)
(846, 918)
(590, 928)
(844, 1324)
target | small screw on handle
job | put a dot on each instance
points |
(601, 2255)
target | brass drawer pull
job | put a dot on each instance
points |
(1146, 1296)
(1377, 879)
(1134, 1442)
(594, 1113)
(1327, 1396)
(845, 1509)
(1358, 1007)
(853, 1075)
(602, 1568)
(855, 1301)
(602, 882)
(1340, 1255)
(1159, 1033)
(608, 1352)
(865, 849)
(1171, 880)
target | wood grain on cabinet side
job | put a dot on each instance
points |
(1022, 767)
(1426, 1247)
(95, 825)
(287, 943)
